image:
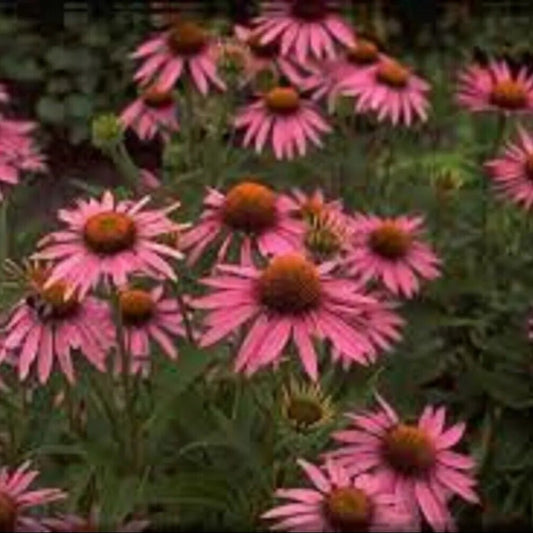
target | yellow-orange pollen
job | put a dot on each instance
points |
(390, 241)
(8, 513)
(409, 450)
(393, 74)
(363, 53)
(136, 307)
(153, 97)
(263, 51)
(187, 38)
(304, 412)
(348, 509)
(249, 207)
(290, 284)
(109, 232)
(509, 94)
(529, 166)
(309, 10)
(283, 100)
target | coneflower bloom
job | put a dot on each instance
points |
(17, 151)
(148, 315)
(4, 95)
(391, 90)
(337, 502)
(495, 87)
(390, 250)
(284, 119)
(304, 28)
(152, 113)
(291, 299)
(249, 212)
(107, 240)
(307, 206)
(415, 460)
(46, 326)
(16, 499)
(185, 47)
(512, 173)
(324, 77)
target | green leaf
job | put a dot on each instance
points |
(79, 106)
(58, 86)
(96, 36)
(59, 58)
(51, 110)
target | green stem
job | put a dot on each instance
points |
(184, 312)
(125, 165)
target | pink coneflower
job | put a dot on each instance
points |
(414, 460)
(284, 118)
(107, 240)
(290, 299)
(46, 325)
(324, 77)
(250, 212)
(390, 89)
(304, 28)
(4, 95)
(512, 173)
(307, 206)
(17, 151)
(184, 47)
(70, 522)
(152, 113)
(16, 499)
(389, 249)
(338, 502)
(148, 315)
(495, 88)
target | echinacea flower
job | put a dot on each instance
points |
(148, 315)
(16, 499)
(337, 502)
(291, 299)
(46, 326)
(304, 28)
(416, 460)
(512, 172)
(184, 48)
(324, 77)
(4, 95)
(17, 151)
(495, 87)
(390, 250)
(308, 206)
(107, 240)
(391, 90)
(284, 119)
(64, 523)
(249, 212)
(305, 406)
(152, 113)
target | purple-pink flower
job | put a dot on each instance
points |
(285, 120)
(414, 460)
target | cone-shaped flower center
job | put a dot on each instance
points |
(393, 74)
(509, 94)
(50, 302)
(348, 509)
(304, 412)
(283, 100)
(8, 513)
(157, 99)
(109, 232)
(249, 207)
(529, 166)
(390, 241)
(363, 53)
(309, 10)
(263, 51)
(187, 39)
(409, 450)
(290, 284)
(136, 307)
(312, 208)
(324, 236)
